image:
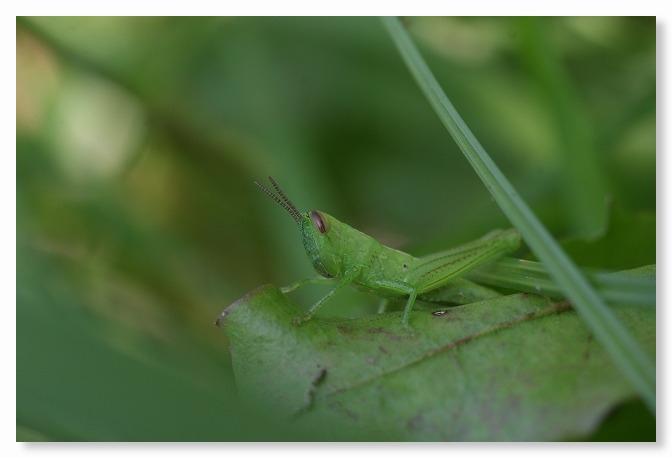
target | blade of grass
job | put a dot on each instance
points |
(611, 333)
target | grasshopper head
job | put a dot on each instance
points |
(319, 233)
(321, 238)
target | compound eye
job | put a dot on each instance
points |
(320, 221)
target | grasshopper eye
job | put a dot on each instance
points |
(320, 221)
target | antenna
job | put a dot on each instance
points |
(285, 202)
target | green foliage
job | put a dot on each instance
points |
(516, 368)
(139, 139)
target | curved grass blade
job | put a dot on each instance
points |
(617, 340)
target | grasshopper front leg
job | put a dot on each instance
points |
(346, 280)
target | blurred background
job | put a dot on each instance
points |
(138, 222)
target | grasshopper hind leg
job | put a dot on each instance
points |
(458, 292)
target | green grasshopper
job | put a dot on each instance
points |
(345, 256)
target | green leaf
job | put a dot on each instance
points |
(514, 368)
(626, 229)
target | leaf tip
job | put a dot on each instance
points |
(220, 319)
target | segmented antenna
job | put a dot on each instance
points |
(285, 202)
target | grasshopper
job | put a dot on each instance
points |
(344, 256)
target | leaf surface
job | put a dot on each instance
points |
(514, 368)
